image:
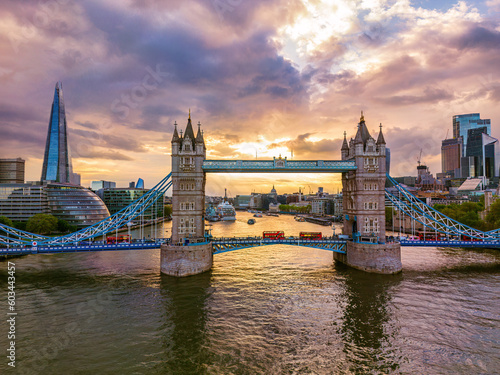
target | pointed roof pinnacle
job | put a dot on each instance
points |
(189, 129)
(199, 136)
(380, 139)
(345, 146)
(175, 136)
(362, 135)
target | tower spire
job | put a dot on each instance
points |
(380, 139)
(175, 136)
(345, 146)
(57, 165)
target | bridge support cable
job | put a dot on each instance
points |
(20, 234)
(117, 220)
(107, 225)
(431, 218)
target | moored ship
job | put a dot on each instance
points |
(225, 210)
(211, 214)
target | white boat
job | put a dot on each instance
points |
(226, 211)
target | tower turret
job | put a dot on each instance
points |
(344, 151)
(200, 142)
(176, 140)
(380, 139)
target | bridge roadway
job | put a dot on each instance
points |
(222, 245)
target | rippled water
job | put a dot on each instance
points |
(272, 310)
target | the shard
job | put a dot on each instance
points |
(57, 160)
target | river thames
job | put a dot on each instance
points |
(267, 310)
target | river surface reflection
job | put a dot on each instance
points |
(269, 310)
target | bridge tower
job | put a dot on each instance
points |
(364, 205)
(188, 252)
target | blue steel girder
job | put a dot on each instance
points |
(278, 166)
(431, 218)
(226, 245)
(107, 225)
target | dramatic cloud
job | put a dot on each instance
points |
(263, 77)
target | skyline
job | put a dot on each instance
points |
(259, 77)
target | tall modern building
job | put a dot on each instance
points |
(451, 153)
(12, 171)
(462, 124)
(482, 155)
(57, 165)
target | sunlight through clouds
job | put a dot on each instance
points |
(264, 78)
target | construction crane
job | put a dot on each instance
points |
(419, 158)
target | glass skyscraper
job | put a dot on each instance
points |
(462, 124)
(57, 165)
(482, 155)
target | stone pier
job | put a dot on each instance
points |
(187, 260)
(375, 258)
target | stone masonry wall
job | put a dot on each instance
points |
(376, 258)
(186, 260)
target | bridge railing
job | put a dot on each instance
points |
(430, 217)
(101, 228)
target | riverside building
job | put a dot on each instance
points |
(59, 191)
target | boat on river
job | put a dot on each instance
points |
(226, 211)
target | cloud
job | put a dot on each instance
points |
(304, 148)
(478, 37)
(430, 95)
(261, 76)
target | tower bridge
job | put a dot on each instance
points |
(363, 168)
(190, 251)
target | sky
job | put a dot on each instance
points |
(263, 77)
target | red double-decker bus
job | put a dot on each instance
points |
(120, 239)
(311, 235)
(276, 235)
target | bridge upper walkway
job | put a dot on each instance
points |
(278, 165)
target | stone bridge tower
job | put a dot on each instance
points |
(188, 185)
(188, 252)
(364, 205)
(364, 188)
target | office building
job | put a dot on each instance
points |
(19, 202)
(12, 171)
(74, 204)
(451, 153)
(57, 166)
(463, 123)
(118, 198)
(321, 206)
(59, 192)
(482, 155)
(242, 201)
(97, 185)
